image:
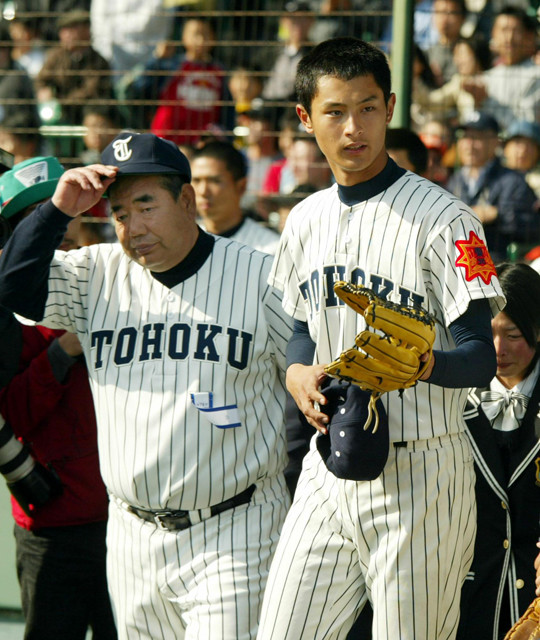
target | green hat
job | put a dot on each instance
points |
(27, 183)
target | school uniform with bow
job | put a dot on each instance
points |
(503, 426)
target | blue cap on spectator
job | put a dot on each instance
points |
(145, 153)
(480, 122)
(349, 451)
(523, 129)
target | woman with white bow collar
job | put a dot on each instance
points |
(503, 423)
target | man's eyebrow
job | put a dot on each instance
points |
(146, 197)
(339, 104)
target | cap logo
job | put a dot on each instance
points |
(121, 150)
(38, 172)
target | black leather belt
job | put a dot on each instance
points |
(179, 520)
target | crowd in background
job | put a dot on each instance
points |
(198, 71)
(217, 77)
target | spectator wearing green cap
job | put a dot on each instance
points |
(60, 541)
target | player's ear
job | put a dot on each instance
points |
(188, 200)
(304, 118)
(390, 107)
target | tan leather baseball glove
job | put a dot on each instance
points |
(388, 360)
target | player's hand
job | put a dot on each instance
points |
(537, 567)
(429, 368)
(70, 344)
(81, 188)
(303, 383)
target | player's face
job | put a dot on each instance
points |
(218, 193)
(154, 229)
(349, 118)
(514, 354)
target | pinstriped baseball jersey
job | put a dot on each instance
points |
(256, 235)
(205, 360)
(406, 243)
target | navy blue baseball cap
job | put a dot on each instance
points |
(480, 121)
(144, 154)
(349, 451)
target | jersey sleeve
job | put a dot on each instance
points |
(460, 267)
(284, 277)
(280, 324)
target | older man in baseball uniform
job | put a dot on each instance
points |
(185, 344)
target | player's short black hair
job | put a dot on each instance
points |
(409, 141)
(521, 286)
(344, 58)
(227, 153)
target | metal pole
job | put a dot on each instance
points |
(401, 59)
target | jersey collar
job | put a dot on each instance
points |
(190, 264)
(366, 190)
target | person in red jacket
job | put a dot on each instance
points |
(193, 104)
(60, 545)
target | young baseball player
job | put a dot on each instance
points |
(219, 177)
(185, 344)
(404, 540)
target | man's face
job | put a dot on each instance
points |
(447, 18)
(75, 37)
(477, 148)
(307, 164)
(509, 40)
(154, 229)
(349, 119)
(197, 39)
(522, 153)
(99, 132)
(217, 192)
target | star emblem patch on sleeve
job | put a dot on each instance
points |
(475, 259)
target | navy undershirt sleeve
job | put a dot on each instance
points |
(472, 363)
(301, 348)
(26, 258)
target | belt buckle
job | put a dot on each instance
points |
(158, 515)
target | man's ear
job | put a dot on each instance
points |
(390, 107)
(188, 199)
(304, 118)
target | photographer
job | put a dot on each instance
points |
(59, 501)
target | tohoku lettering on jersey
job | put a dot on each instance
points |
(178, 343)
(402, 242)
(174, 372)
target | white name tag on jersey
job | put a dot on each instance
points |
(223, 417)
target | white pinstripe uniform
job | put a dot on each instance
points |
(256, 235)
(189, 394)
(404, 540)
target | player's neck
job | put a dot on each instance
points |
(222, 226)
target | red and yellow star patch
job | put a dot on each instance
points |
(475, 259)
